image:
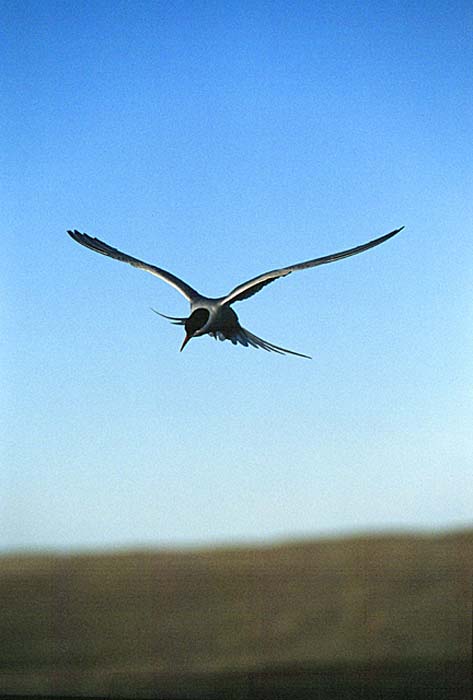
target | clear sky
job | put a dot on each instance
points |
(220, 140)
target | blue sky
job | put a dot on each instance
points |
(220, 140)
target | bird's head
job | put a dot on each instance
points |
(195, 323)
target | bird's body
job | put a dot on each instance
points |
(214, 316)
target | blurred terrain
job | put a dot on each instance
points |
(378, 616)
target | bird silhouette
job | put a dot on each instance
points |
(215, 316)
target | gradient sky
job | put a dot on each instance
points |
(220, 140)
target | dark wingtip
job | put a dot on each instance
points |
(75, 234)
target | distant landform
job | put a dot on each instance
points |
(375, 616)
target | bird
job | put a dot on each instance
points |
(215, 316)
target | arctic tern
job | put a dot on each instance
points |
(215, 316)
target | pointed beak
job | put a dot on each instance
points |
(186, 340)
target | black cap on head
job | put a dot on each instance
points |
(195, 322)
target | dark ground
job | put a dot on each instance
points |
(363, 617)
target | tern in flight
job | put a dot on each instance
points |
(216, 316)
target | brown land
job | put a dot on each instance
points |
(379, 616)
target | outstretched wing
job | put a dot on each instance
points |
(244, 337)
(247, 289)
(105, 249)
